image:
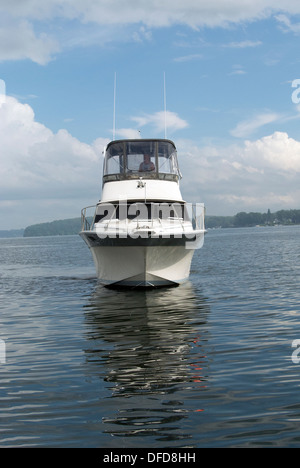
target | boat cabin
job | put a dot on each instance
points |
(147, 159)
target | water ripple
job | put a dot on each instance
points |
(207, 364)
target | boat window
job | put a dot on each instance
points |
(140, 157)
(114, 160)
(167, 159)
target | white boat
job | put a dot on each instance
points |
(142, 233)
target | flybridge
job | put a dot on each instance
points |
(133, 159)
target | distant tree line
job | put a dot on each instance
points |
(55, 228)
(242, 219)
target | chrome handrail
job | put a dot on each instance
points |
(85, 224)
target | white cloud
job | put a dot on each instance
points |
(158, 119)
(188, 58)
(128, 133)
(2, 92)
(151, 12)
(277, 152)
(242, 44)
(252, 176)
(18, 42)
(237, 71)
(19, 20)
(287, 25)
(153, 123)
(142, 34)
(245, 128)
(36, 163)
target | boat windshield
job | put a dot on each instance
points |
(127, 159)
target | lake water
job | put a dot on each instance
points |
(207, 364)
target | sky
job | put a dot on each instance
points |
(232, 75)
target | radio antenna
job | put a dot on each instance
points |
(114, 117)
(165, 105)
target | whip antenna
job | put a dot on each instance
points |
(114, 117)
(165, 105)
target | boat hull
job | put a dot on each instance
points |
(154, 248)
(142, 266)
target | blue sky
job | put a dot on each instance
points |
(229, 70)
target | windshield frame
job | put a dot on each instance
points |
(123, 160)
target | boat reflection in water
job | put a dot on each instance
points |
(150, 349)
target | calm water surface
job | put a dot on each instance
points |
(207, 364)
